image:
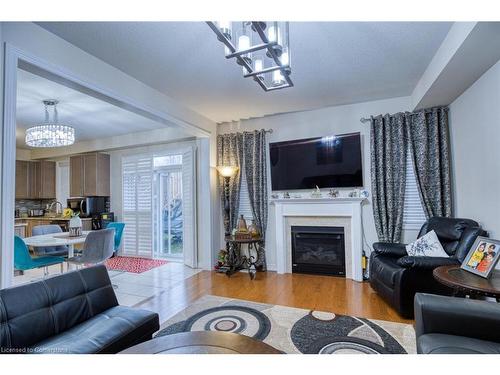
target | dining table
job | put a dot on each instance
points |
(57, 239)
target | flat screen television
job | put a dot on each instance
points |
(328, 162)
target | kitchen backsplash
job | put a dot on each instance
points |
(23, 205)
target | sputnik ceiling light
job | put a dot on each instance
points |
(261, 48)
(50, 133)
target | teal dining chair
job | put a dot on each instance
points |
(23, 260)
(118, 233)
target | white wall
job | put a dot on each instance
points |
(475, 146)
(320, 122)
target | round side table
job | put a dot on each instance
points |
(466, 283)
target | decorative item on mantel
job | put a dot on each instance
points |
(286, 195)
(333, 193)
(354, 194)
(316, 193)
(75, 226)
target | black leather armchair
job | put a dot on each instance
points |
(449, 325)
(72, 313)
(396, 277)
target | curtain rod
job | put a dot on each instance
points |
(364, 119)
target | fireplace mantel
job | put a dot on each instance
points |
(343, 207)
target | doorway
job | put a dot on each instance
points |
(168, 207)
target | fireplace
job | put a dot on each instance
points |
(318, 250)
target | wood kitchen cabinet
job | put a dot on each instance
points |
(89, 175)
(22, 180)
(45, 179)
(35, 179)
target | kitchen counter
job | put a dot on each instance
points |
(28, 223)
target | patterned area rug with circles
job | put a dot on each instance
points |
(293, 330)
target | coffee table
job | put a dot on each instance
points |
(202, 342)
(466, 283)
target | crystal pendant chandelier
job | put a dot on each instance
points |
(261, 48)
(50, 133)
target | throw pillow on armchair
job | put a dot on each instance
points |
(426, 246)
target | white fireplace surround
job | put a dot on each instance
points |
(320, 212)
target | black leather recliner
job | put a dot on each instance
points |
(449, 325)
(72, 313)
(396, 277)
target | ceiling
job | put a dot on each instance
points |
(92, 118)
(332, 62)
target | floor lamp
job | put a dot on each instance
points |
(227, 171)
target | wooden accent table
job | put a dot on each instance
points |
(202, 342)
(466, 283)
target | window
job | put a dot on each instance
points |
(137, 178)
(167, 160)
(245, 206)
(413, 211)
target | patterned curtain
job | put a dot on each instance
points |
(256, 173)
(230, 152)
(429, 149)
(255, 156)
(388, 169)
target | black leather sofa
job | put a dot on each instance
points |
(396, 277)
(76, 312)
(449, 325)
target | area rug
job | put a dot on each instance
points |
(133, 264)
(293, 330)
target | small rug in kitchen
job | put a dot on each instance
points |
(293, 330)
(133, 264)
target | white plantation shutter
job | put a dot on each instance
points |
(137, 177)
(245, 208)
(413, 213)
(189, 207)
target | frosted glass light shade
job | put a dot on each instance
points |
(227, 170)
(243, 42)
(50, 135)
(278, 78)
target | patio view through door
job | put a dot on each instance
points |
(168, 207)
(159, 206)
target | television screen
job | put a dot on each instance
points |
(328, 162)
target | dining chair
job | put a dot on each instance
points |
(23, 260)
(118, 233)
(98, 247)
(39, 230)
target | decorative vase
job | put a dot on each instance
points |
(254, 229)
(242, 224)
(75, 226)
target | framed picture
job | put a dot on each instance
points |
(482, 257)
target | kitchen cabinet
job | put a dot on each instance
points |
(35, 179)
(20, 230)
(90, 175)
(22, 180)
(45, 179)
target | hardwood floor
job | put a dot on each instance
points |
(324, 293)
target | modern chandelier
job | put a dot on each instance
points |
(50, 133)
(261, 48)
